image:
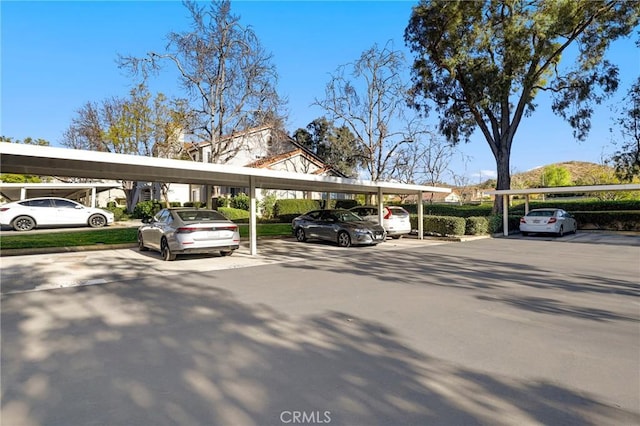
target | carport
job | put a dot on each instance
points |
(47, 161)
(507, 193)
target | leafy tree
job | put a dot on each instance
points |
(627, 159)
(483, 63)
(553, 176)
(369, 98)
(229, 78)
(139, 125)
(335, 146)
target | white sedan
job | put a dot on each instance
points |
(554, 221)
(24, 215)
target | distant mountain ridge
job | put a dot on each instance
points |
(582, 173)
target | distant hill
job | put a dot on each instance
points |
(582, 173)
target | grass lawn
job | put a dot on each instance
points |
(17, 240)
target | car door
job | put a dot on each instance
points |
(68, 212)
(152, 233)
(41, 210)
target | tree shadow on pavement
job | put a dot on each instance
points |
(167, 351)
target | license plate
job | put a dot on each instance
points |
(213, 234)
(536, 221)
(378, 237)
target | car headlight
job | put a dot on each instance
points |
(361, 231)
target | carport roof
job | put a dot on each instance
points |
(48, 161)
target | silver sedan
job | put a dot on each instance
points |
(176, 231)
(554, 221)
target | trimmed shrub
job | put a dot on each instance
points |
(267, 206)
(442, 225)
(146, 209)
(476, 225)
(175, 203)
(294, 207)
(240, 201)
(234, 214)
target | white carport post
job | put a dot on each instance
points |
(253, 229)
(420, 217)
(526, 204)
(505, 215)
(380, 206)
(23, 193)
(93, 196)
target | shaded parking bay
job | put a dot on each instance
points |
(502, 331)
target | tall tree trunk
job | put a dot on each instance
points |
(502, 157)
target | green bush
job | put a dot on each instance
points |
(267, 206)
(118, 212)
(441, 225)
(466, 210)
(234, 214)
(579, 206)
(495, 223)
(240, 201)
(175, 204)
(146, 209)
(476, 225)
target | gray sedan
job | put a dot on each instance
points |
(340, 226)
(176, 231)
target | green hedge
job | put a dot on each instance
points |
(617, 221)
(233, 214)
(476, 225)
(579, 206)
(495, 223)
(442, 225)
(289, 207)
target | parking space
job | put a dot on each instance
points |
(61, 270)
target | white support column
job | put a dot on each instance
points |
(23, 193)
(253, 211)
(526, 204)
(505, 215)
(420, 217)
(93, 196)
(380, 206)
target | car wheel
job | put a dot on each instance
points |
(141, 246)
(561, 231)
(97, 221)
(300, 235)
(344, 240)
(23, 223)
(524, 234)
(226, 252)
(165, 251)
(396, 237)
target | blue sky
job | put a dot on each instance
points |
(56, 56)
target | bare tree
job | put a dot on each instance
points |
(229, 78)
(369, 98)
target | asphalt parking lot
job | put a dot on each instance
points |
(534, 330)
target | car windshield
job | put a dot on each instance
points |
(200, 215)
(347, 216)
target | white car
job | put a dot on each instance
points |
(554, 221)
(395, 220)
(24, 215)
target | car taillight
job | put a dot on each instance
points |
(552, 220)
(186, 230)
(4, 209)
(387, 213)
(523, 220)
(227, 228)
